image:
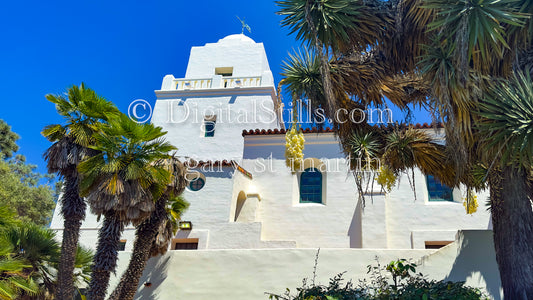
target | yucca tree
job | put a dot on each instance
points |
(486, 42)
(157, 231)
(397, 148)
(154, 230)
(302, 79)
(82, 110)
(442, 55)
(121, 184)
(506, 126)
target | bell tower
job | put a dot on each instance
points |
(228, 87)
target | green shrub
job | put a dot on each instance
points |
(396, 280)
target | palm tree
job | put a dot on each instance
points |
(442, 55)
(29, 258)
(37, 246)
(121, 183)
(158, 231)
(82, 109)
(14, 280)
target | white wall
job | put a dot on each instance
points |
(181, 112)
(393, 221)
(183, 119)
(247, 274)
(247, 58)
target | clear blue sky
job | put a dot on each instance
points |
(120, 49)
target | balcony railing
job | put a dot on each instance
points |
(214, 83)
(193, 84)
(232, 82)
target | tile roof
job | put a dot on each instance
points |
(323, 130)
(200, 163)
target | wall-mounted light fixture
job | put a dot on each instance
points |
(252, 192)
(185, 225)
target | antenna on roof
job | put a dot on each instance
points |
(244, 25)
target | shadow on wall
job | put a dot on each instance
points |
(152, 279)
(355, 232)
(476, 261)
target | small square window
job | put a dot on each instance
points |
(209, 126)
(122, 245)
(436, 244)
(224, 71)
(185, 244)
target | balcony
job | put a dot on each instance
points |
(193, 84)
(216, 82)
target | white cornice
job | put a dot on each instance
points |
(173, 94)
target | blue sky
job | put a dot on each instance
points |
(122, 50)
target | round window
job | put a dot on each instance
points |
(196, 184)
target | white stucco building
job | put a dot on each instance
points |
(224, 117)
(225, 114)
(228, 84)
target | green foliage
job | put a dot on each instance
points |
(82, 111)
(82, 266)
(175, 207)
(14, 279)
(397, 280)
(507, 121)
(484, 20)
(21, 189)
(124, 176)
(339, 24)
(367, 147)
(29, 257)
(302, 77)
(7, 140)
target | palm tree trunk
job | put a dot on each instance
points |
(73, 210)
(144, 238)
(105, 260)
(512, 218)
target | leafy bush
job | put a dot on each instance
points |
(396, 280)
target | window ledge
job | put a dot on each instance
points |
(309, 205)
(441, 202)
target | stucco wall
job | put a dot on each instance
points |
(277, 219)
(247, 274)
(183, 119)
(394, 221)
(247, 57)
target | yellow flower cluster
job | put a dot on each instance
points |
(470, 202)
(294, 148)
(386, 178)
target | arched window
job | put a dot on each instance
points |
(311, 186)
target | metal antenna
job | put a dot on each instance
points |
(244, 26)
